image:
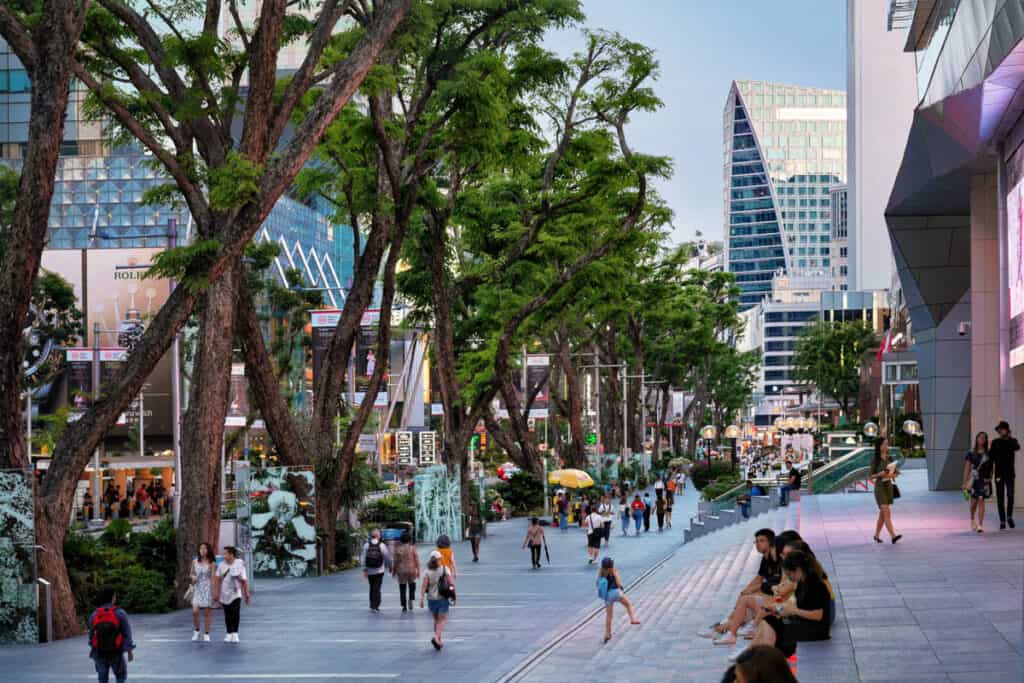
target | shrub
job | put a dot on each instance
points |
(399, 508)
(701, 474)
(118, 532)
(140, 590)
(347, 544)
(522, 492)
(720, 486)
(155, 550)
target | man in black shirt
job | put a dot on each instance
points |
(1003, 453)
(793, 484)
(754, 595)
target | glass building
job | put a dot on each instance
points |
(784, 147)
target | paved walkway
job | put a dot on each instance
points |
(944, 604)
(321, 630)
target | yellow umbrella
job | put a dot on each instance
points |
(573, 479)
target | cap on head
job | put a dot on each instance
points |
(435, 555)
(607, 563)
(1003, 425)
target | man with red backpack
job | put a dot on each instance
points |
(110, 638)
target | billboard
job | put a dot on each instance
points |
(111, 291)
(1015, 271)
(238, 398)
(364, 362)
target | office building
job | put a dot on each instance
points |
(840, 236)
(954, 218)
(784, 147)
(882, 91)
(773, 327)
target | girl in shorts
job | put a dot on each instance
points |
(437, 603)
(616, 593)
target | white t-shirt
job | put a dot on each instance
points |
(594, 521)
(231, 578)
(606, 511)
(659, 484)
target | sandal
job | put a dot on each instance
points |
(437, 645)
(635, 623)
(877, 539)
(607, 638)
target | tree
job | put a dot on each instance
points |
(178, 95)
(44, 36)
(828, 356)
(733, 376)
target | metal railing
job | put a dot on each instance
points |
(849, 468)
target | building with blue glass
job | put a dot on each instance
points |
(784, 147)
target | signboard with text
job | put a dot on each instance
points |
(428, 448)
(403, 445)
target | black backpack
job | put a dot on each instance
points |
(374, 556)
(444, 586)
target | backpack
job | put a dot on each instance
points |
(602, 588)
(444, 586)
(374, 556)
(106, 634)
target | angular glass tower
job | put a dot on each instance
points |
(784, 146)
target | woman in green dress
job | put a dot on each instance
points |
(883, 472)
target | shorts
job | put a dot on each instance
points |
(614, 596)
(981, 488)
(594, 538)
(437, 607)
(670, 498)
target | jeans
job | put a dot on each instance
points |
(784, 494)
(409, 588)
(1004, 498)
(375, 581)
(745, 509)
(563, 521)
(607, 531)
(625, 525)
(638, 518)
(232, 615)
(535, 555)
(103, 668)
(647, 519)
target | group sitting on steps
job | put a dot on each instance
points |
(789, 601)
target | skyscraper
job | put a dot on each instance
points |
(784, 146)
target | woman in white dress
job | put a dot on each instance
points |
(202, 588)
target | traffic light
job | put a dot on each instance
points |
(474, 442)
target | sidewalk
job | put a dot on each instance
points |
(321, 629)
(944, 604)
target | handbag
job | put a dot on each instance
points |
(895, 491)
(189, 592)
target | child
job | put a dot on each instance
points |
(110, 637)
(444, 546)
(616, 593)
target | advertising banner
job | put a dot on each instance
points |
(238, 399)
(404, 445)
(323, 323)
(79, 380)
(112, 291)
(1015, 271)
(428, 448)
(538, 370)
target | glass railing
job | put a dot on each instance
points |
(837, 473)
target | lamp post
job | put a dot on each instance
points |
(733, 432)
(708, 434)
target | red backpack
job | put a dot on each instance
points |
(106, 634)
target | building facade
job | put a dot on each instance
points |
(882, 86)
(954, 220)
(784, 147)
(840, 235)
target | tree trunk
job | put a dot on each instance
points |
(573, 454)
(51, 526)
(203, 425)
(49, 52)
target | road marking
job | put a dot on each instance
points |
(258, 641)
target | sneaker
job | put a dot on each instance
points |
(1010, 522)
(228, 639)
(745, 629)
(710, 632)
(195, 636)
(234, 637)
(206, 637)
(726, 638)
(1002, 525)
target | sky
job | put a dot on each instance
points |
(702, 46)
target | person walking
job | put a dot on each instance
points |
(638, 508)
(1004, 453)
(647, 512)
(681, 481)
(594, 524)
(406, 570)
(624, 513)
(376, 561)
(563, 512)
(611, 590)
(110, 638)
(437, 593)
(232, 587)
(669, 502)
(444, 546)
(883, 472)
(977, 485)
(608, 515)
(659, 511)
(203, 566)
(535, 540)
(476, 533)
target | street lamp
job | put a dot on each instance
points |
(733, 432)
(870, 430)
(708, 434)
